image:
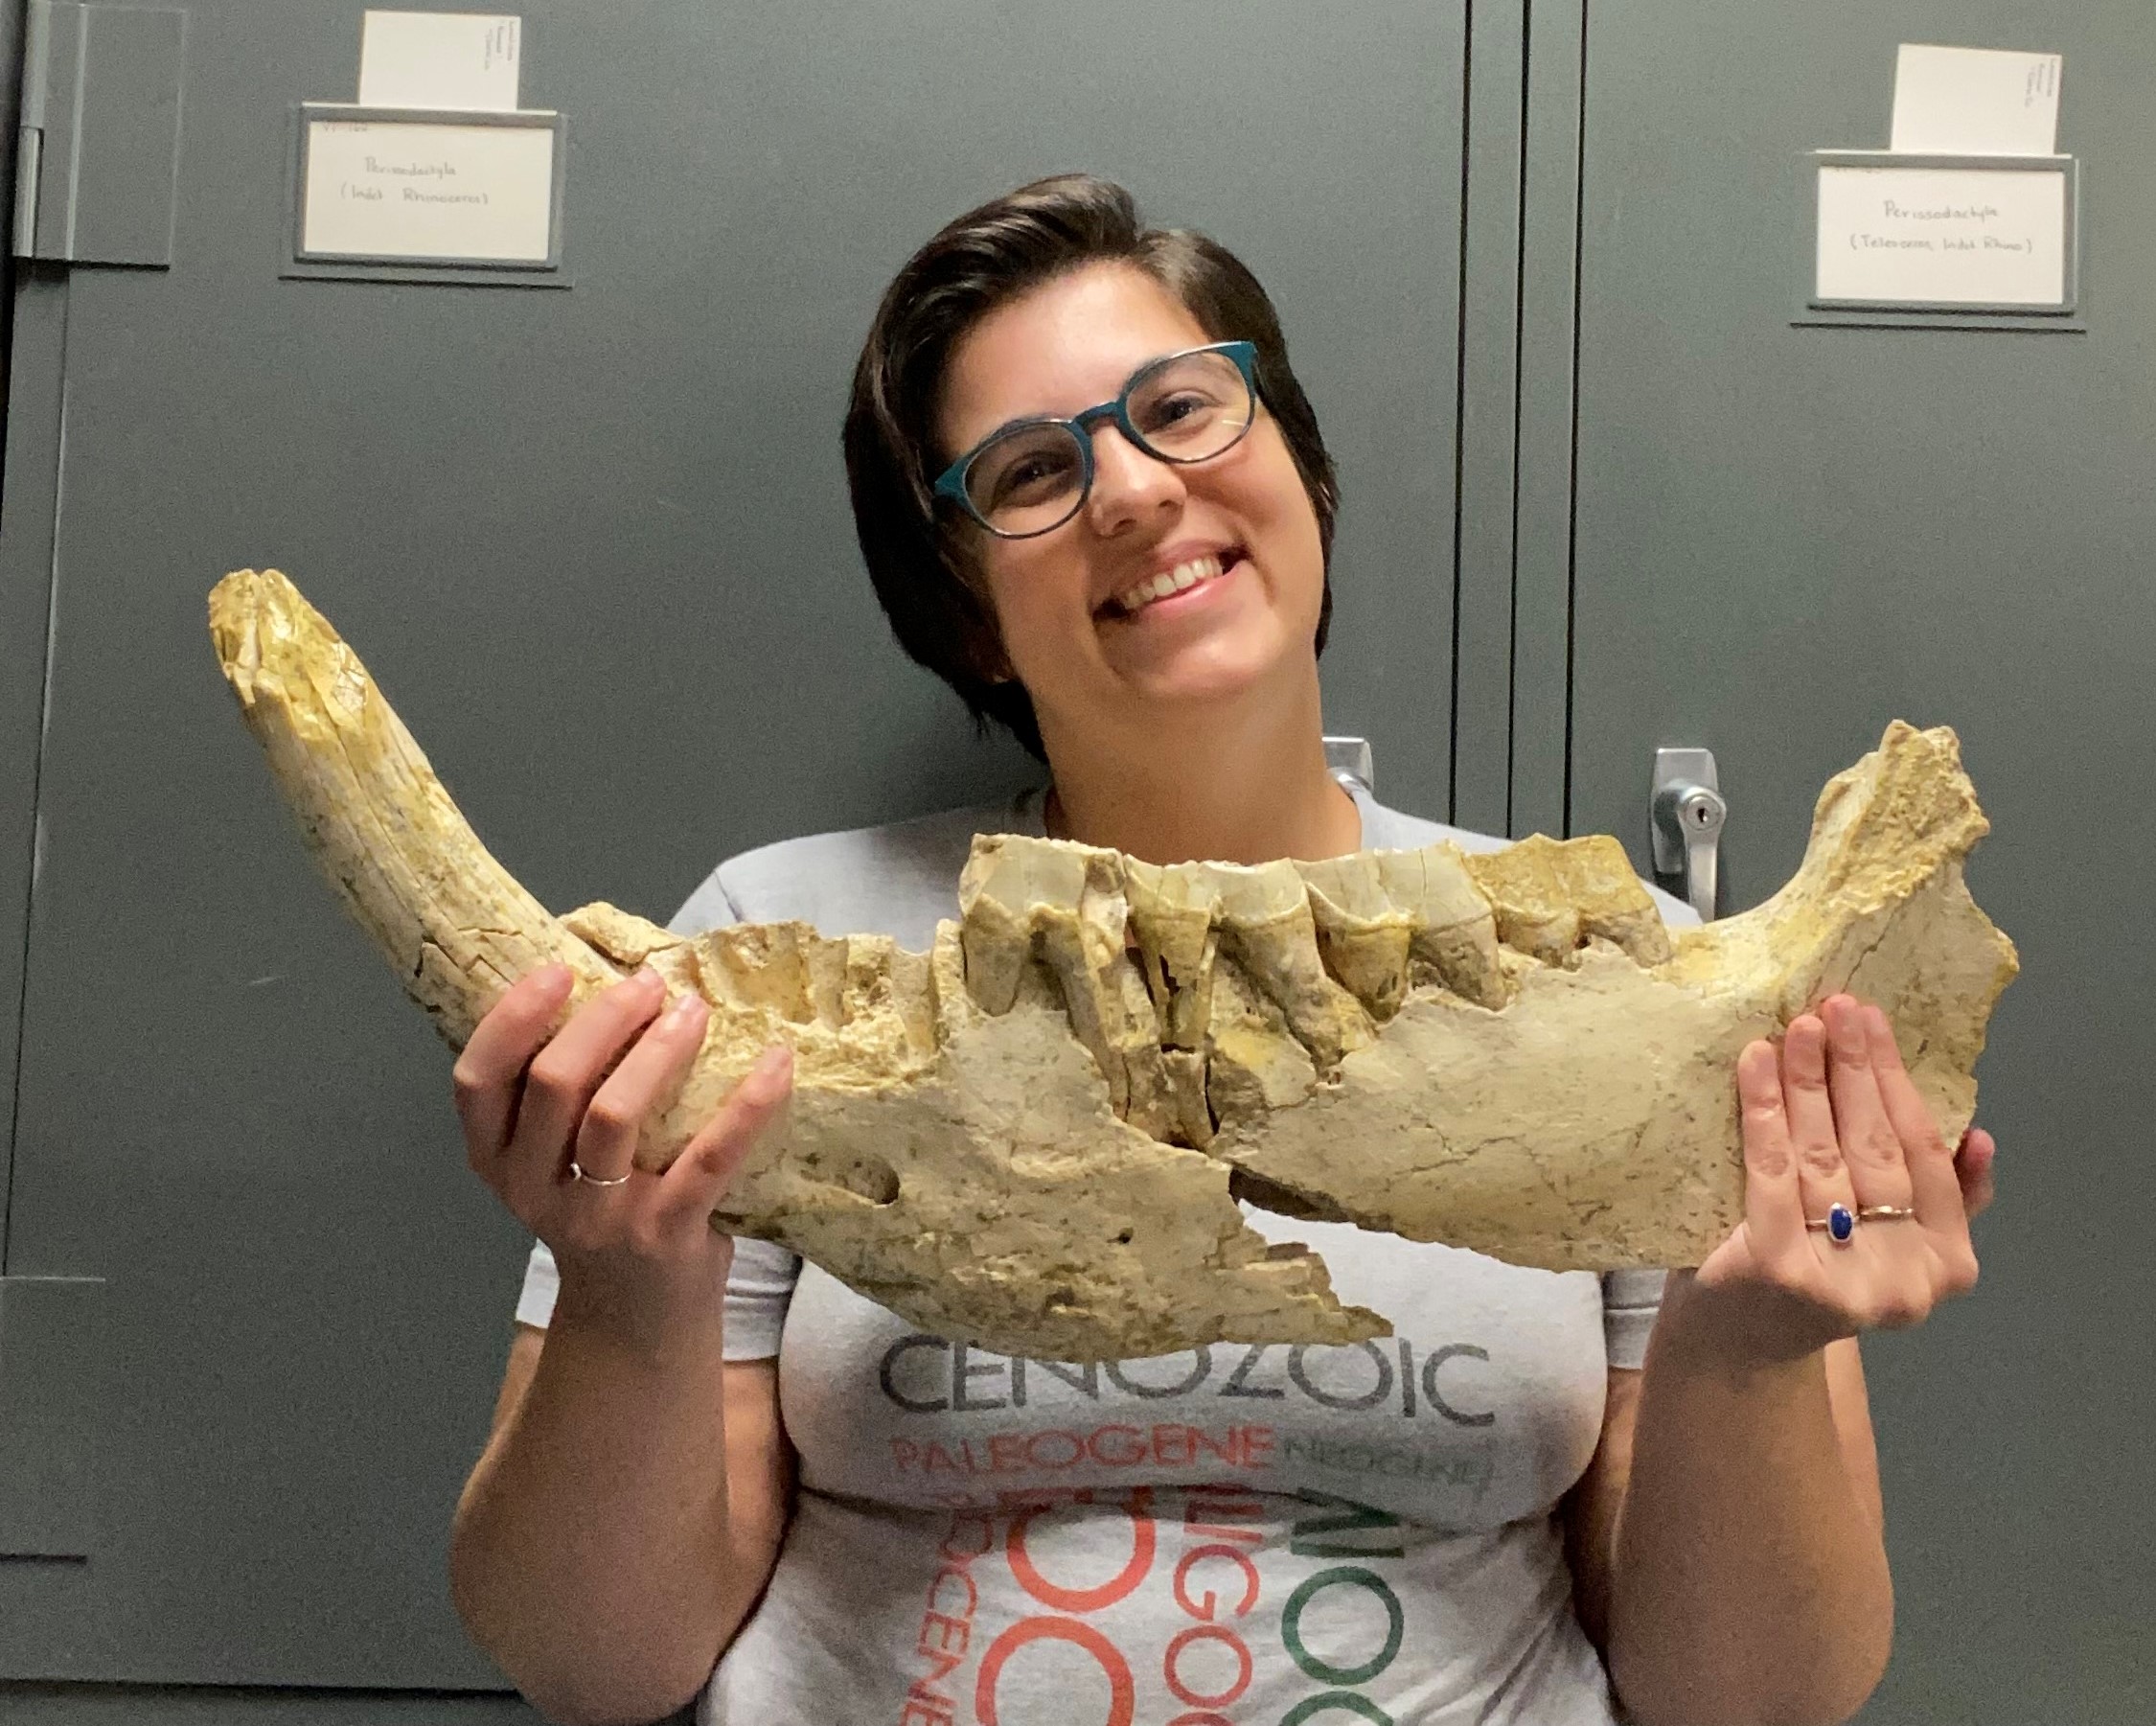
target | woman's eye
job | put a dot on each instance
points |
(1186, 410)
(1028, 473)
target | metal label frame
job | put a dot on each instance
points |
(1813, 309)
(483, 272)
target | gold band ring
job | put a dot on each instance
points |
(576, 1174)
(1839, 1223)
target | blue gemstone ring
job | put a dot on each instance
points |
(1839, 1225)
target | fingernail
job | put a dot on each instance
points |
(687, 1009)
(553, 978)
(766, 1079)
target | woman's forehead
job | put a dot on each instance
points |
(1060, 347)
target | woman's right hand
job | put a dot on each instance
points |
(638, 1256)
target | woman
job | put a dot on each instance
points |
(1093, 498)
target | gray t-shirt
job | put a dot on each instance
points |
(1232, 1534)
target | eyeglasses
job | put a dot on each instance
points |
(1033, 475)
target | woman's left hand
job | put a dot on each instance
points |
(1833, 1118)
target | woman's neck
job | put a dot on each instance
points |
(1233, 788)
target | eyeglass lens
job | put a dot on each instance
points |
(1186, 408)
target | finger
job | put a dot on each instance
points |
(1972, 1167)
(700, 1175)
(1774, 1208)
(1872, 1150)
(490, 1070)
(1932, 1176)
(564, 1075)
(606, 1139)
(1823, 1179)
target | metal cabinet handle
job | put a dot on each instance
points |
(1689, 812)
(1349, 760)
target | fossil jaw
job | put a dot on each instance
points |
(1032, 1136)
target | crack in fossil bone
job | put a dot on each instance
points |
(1035, 1135)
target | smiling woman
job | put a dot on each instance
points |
(1092, 497)
(912, 387)
(1166, 612)
(1120, 648)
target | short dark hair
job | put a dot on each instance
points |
(983, 260)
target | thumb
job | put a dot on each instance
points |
(1972, 1166)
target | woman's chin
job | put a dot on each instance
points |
(1214, 674)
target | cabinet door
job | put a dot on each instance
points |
(595, 545)
(1788, 537)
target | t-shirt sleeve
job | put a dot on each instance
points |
(758, 1292)
(1630, 1302)
(761, 1283)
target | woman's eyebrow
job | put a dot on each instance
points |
(1012, 425)
(1035, 418)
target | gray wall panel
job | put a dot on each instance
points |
(1489, 424)
(1540, 732)
(29, 487)
(53, 1393)
(1788, 537)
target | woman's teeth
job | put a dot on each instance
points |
(1167, 582)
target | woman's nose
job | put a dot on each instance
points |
(1127, 484)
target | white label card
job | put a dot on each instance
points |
(1975, 101)
(1942, 236)
(379, 189)
(466, 60)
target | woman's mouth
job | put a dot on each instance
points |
(1169, 584)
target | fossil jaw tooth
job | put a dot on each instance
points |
(1172, 917)
(999, 1138)
(1553, 897)
(1394, 920)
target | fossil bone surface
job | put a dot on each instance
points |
(1034, 1136)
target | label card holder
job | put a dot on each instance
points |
(421, 195)
(1948, 241)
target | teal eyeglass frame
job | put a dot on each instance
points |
(950, 484)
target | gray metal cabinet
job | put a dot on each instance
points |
(594, 544)
(1787, 536)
